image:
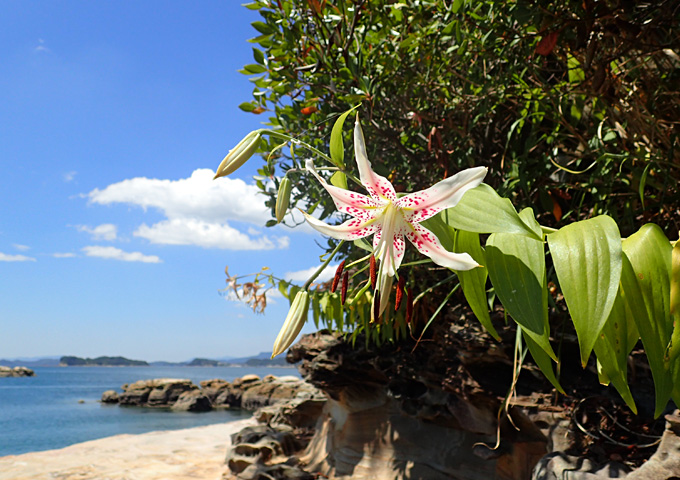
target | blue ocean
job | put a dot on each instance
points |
(60, 405)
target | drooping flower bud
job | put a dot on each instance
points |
(343, 290)
(336, 278)
(238, 155)
(409, 305)
(372, 272)
(297, 316)
(400, 292)
(282, 199)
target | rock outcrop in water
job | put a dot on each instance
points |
(249, 392)
(16, 372)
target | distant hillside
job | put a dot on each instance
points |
(69, 361)
(267, 362)
(31, 362)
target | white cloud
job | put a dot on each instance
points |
(180, 231)
(105, 231)
(41, 48)
(21, 248)
(303, 275)
(63, 255)
(15, 258)
(197, 210)
(118, 254)
(69, 176)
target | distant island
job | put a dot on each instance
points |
(69, 361)
(262, 359)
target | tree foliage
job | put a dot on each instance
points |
(572, 106)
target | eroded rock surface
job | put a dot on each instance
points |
(249, 392)
(432, 413)
(16, 372)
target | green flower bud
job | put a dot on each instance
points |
(238, 155)
(297, 316)
(282, 199)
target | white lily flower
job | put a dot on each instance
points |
(389, 219)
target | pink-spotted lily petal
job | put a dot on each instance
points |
(346, 201)
(428, 244)
(425, 204)
(350, 230)
(377, 186)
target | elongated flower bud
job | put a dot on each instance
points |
(282, 199)
(238, 155)
(336, 278)
(343, 290)
(409, 305)
(297, 316)
(375, 307)
(372, 271)
(400, 292)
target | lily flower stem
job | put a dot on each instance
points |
(438, 284)
(322, 266)
(359, 294)
(357, 262)
(295, 141)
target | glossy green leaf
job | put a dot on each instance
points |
(339, 179)
(542, 359)
(614, 343)
(336, 146)
(473, 281)
(587, 260)
(516, 265)
(649, 252)
(674, 346)
(482, 210)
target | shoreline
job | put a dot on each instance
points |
(197, 452)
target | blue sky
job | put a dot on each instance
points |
(113, 237)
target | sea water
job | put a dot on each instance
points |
(60, 405)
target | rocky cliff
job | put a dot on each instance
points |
(435, 411)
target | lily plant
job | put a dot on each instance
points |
(390, 218)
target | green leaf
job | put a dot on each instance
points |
(516, 265)
(336, 147)
(614, 344)
(255, 68)
(247, 107)
(674, 345)
(258, 56)
(456, 5)
(542, 359)
(587, 259)
(262, 27)
(473, 281)
(527, 216)
(647, 293)
(363, 244)
(339, 179)
(482, 210)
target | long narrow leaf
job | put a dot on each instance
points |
(336, 146)
(473, 281)
(587, 259)
(542, 360)
(516, 265)
(649, 252)
(613, 346)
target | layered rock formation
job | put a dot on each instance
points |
(16, 372)
(249, 392)
(433, 413)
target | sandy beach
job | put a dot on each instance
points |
(193, 453)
